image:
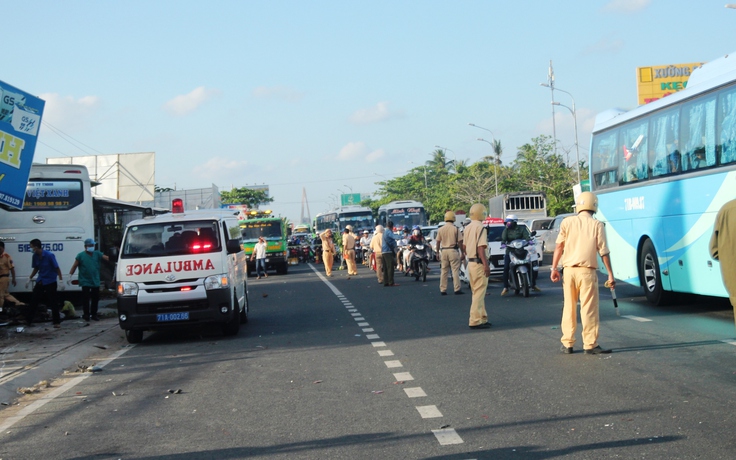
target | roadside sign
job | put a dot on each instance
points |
(20, 119)
(347, 199)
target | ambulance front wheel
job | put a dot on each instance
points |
(134, 335)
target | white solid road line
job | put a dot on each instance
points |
(636, 318)
(31, 408)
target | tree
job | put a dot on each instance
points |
(439, 161)
(247, 196)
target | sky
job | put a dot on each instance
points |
(331, 97)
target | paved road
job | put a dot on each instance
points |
(346, 368)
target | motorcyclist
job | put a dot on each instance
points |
(415, 238)
(514, 231)
(365, 245)
(403, 241)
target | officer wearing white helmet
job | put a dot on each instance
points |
(580, 241)
(449, 244)
(475, 243)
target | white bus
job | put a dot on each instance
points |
(359, 217)
(402, 213)
(60, 211)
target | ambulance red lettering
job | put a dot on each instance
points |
(147, 269)
(129, 270)
(209, 265)
(168, 267)
(187, 265)
(177, 266)
(158, 269)
(198, 264)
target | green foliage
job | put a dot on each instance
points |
(246, 196)
(442, 185)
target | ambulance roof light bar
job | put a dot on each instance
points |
(177, 206)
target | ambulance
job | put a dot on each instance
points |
(182, 269)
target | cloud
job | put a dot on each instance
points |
(379, 112)
(606, 45)
(219, 170)
(565, 128)
(278, 92)
(625, 6)
(66, 113)
(187, 103)
(359, 150)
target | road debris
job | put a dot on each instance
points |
(34, 389)
(175, 392)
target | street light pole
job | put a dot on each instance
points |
(351, 188)
(495, 167)
(575, 122)
(425, 172)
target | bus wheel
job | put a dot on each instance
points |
(650, 277)
(134, 335)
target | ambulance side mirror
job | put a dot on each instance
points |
(233, 246)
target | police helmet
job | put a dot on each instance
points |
(586, 201)
(449, 216)
(477, 212)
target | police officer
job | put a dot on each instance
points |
(581, 238)
(328, 251)
(475, 242)
(514, 231)
(449, 244)
(348, 251)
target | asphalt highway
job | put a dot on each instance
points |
(343, 367)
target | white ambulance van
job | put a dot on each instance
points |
(182, 269)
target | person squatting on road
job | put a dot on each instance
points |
(581, 237)
(44, 263)
(377, 250)
(514, 231)
(475, 242)
(259, 254)
(388, 254)
(723, 247)
(348, 251)
(89, 262)
(328, 250)
(7, 276)
(449, 245)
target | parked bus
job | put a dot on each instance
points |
(661, 173)
(273, 230)
(359, 217)
(402, 213)
(59, 210)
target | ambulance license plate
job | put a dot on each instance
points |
(183, 316)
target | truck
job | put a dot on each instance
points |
(273, 230)
(524, 205)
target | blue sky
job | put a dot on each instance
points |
(330, 95)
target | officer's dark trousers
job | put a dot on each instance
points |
(47, 293)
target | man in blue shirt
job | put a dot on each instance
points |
(44, 263)
(388, 255)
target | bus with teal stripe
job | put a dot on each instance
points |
(661, 172)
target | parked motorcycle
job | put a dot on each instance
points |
(522, 256)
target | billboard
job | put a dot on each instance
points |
(347, 199)
(121, 176)
(656, 82)
(20, 119)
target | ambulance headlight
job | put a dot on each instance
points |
(126, 288)
(216, 282)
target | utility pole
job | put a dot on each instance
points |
(551, 83)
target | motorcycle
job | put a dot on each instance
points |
(522, 256)
(306, 255)
(418, 261)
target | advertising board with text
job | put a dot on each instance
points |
(656, 82)
(20, 120)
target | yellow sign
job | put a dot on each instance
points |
(659, 81)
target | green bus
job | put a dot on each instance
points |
(273, 230)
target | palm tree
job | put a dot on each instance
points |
(439, 160)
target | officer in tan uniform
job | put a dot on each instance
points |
(328, 250)
(376, 244)
(449, 244)
(475, 242)
(348, 251)
(7, 275)
(581, 238)
(723, 247)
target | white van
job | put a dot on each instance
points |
(182, 269)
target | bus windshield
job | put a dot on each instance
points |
(168, 239)
(267, 229)
(52, 195)
(356, 219)
(408, 217)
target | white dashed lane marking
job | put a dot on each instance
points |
(636, 318)
(415, 392)
(445, 436)
(429, 411)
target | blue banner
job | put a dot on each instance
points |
(20, 120)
